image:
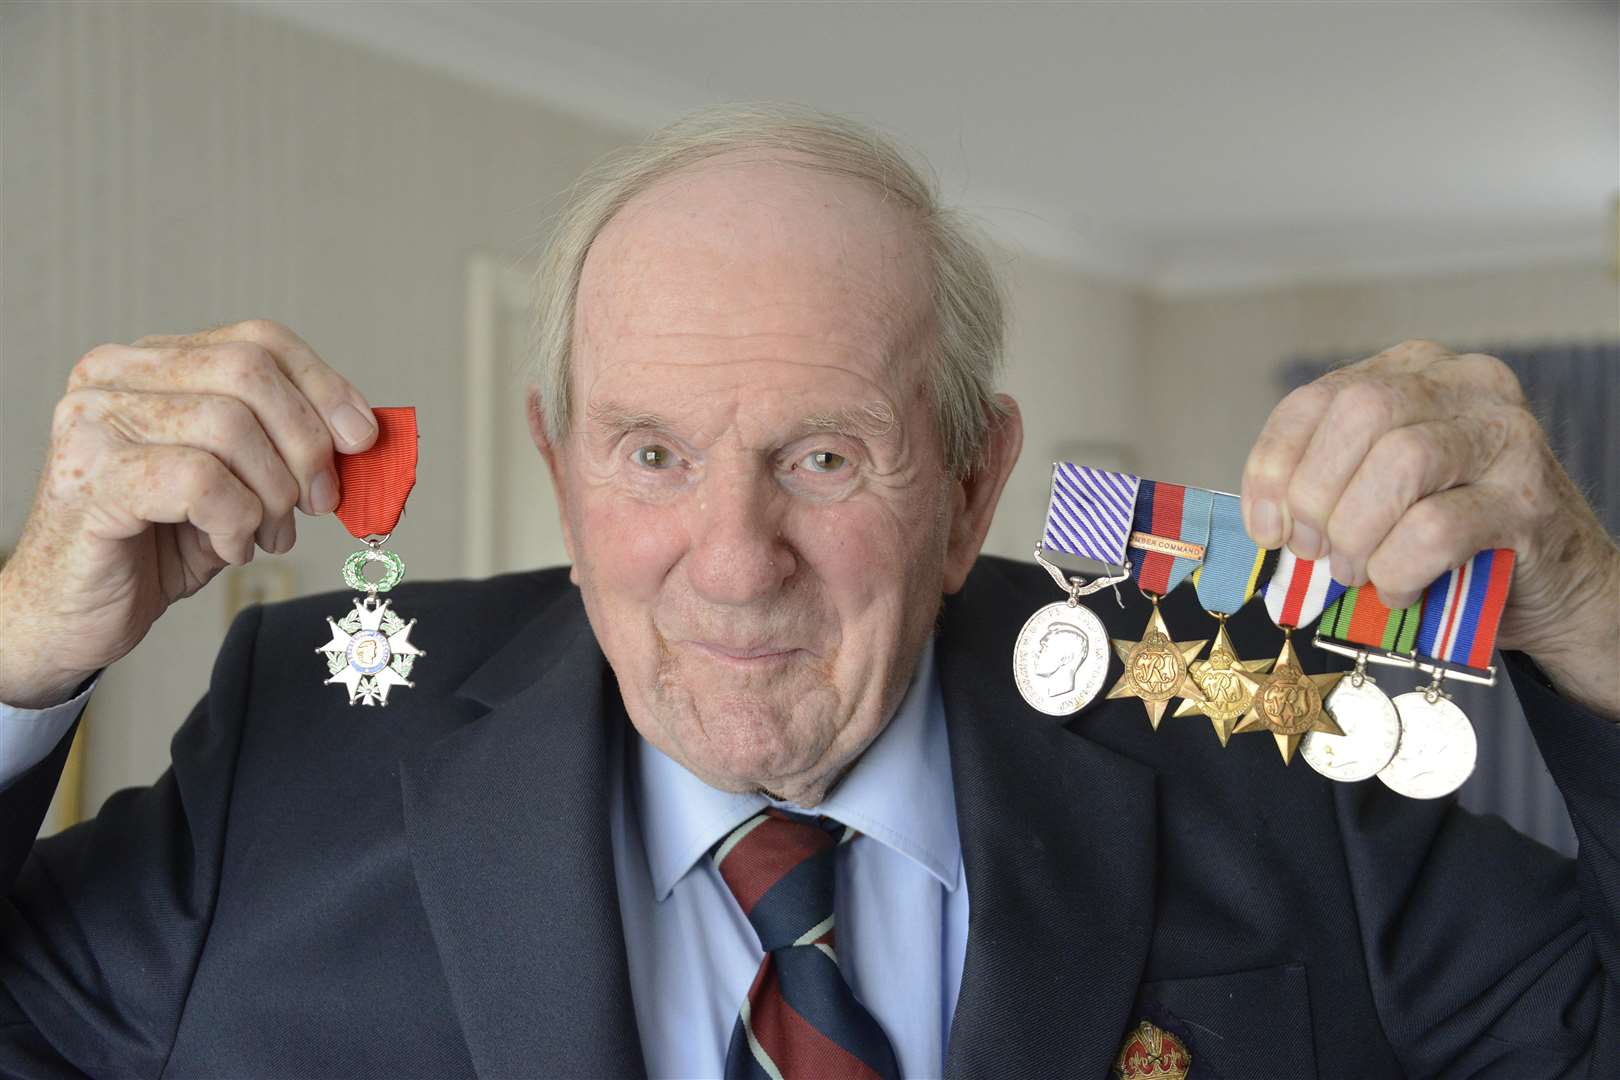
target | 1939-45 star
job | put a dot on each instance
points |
(370, 652)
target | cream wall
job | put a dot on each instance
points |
(1211, 361)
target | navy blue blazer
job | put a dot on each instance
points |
(426, 890)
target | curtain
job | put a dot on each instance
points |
(1575, 391)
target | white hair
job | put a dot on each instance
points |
(967, 320)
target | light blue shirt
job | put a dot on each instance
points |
(901, 894)
(901, 900)
(27, 736)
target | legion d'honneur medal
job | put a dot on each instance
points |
(1358, 625)
(370, 650)
(1061, 656)
(1455, 638)
(1289, 702)
(1234, 568)
(1170, 531)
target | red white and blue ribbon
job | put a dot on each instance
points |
(1089, 514)
(1462, 610)
(1173, 513)
(1299, 589)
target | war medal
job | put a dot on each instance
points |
(1358, 625)
(1289, 702)
(1234, 568)
(1061, 656)
(370, 650)
(1171, 528)
(1455, 639)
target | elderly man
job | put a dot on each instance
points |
(615, 824)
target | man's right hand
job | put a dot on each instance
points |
(169, 459)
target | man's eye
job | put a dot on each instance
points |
(653, 457)
(823, 461)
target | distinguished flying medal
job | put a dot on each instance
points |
(1061, 656)
(1170, 531)
(1358, 624)
(1234, 568)
(370, 650)
(1288, 702)
(1455, 639)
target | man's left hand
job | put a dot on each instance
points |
(1401, 466)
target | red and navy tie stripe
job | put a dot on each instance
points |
(800, 1018)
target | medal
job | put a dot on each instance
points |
(1288, 702)
(1358, 624)
(1234, 567)
(1171, 529)
(370, 651)
(1455, 638)
(1061, 656)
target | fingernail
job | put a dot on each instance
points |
(323, 494)
(1267, 523)
(1306, 541)
(286, 536)
(1341, 569)
(351, 426)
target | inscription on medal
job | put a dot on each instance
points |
(1437, 748)
(1371, 727)
(1156, 667)
(1061, 658)
(1290, 704)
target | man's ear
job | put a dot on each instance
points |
(535, 415)
(974, 496)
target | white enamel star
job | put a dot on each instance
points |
(367, 653)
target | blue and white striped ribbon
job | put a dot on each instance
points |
(1089, 514)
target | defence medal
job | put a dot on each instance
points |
(1288, 702)
(1456, 636)
(370, 650)
(1234, 568)
(1358, 625)
(1170, 531)
(1061, 656)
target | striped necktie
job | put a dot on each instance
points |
(800, 1018)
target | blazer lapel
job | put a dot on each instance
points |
(1058, 844)
(507, 820)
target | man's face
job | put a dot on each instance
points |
(754, 492)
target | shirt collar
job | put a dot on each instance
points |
(898, 793)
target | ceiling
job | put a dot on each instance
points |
(1184, 146)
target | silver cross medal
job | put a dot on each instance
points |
(371, 650)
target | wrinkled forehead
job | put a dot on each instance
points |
(739, 259)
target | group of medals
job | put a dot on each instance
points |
(1104, 528)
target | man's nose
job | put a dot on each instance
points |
(738, 555)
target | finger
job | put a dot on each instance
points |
(1413, 355)
(1271, 462)
(171, 484)
(223, 426)
(1435, 534)
(347, 413)
(1362, 411)
(1404, 466)
(238, 369)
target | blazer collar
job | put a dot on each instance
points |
(1058, 836)
(507, 824)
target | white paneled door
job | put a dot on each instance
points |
(511, 514)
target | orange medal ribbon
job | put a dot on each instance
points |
(375, 483)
